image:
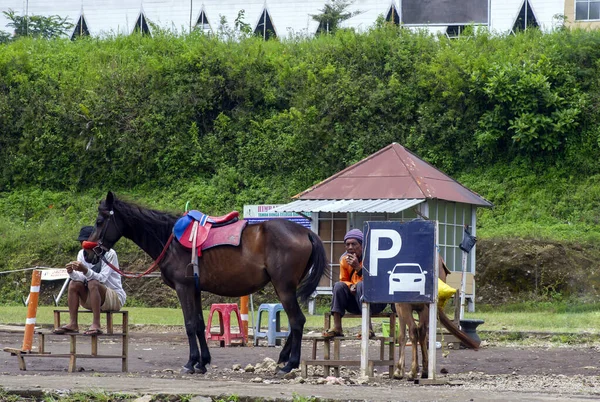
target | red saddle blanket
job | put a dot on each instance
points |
(228, 235)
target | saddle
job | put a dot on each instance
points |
(198, 231)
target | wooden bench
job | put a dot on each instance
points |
(328, 361)
(73, 355)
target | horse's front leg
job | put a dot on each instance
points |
(186, 299)
(201, 335)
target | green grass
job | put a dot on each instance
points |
(545, 319)
(541, 321)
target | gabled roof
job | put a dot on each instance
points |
(392, 173)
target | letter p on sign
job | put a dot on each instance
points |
(385, 253)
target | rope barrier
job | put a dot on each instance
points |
(152, 275)
(27, 269)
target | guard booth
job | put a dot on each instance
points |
(393, 184)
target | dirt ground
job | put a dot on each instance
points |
(495, 372)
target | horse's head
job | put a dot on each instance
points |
(107, 230)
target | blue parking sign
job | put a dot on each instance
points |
(398, 261)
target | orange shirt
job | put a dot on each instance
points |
(347, 274)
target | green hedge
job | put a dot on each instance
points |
(128, 111)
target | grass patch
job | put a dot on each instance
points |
(549, 319)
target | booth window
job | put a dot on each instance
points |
(586, 10)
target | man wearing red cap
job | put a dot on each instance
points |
(348, 292)
(94, 286)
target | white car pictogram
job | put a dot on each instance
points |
(407, 277)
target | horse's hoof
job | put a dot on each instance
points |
(398, 375)
(201, 369)
(187, 370)
(424, 375)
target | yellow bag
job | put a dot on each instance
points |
(445, 292)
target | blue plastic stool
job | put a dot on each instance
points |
(274, 333)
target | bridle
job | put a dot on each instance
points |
(100, 250)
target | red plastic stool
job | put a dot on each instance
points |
(225, 335)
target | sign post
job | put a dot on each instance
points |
(53, 274)
(401, 266)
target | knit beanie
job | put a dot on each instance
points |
(354, 234)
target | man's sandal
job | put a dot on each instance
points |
(64, 330)
(371, 334)
(332, 333)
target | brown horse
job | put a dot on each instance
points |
(418, 331)
(284, 253)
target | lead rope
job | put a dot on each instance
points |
(152, 268)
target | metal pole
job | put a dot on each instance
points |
(364, 343)
(252, 313)
(27, 18)
(525, 4)
(463, 285)
(433, 311)
(191, 7)
(62, 290)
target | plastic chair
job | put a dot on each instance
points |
(273, 333)
(225, 336)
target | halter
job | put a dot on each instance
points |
(100, 251)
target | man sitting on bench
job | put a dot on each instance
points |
(348, 292)
(94, 285)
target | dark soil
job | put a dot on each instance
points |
(494, 373)
(165, 353)
(517, 270)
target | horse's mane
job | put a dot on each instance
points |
(158, 223)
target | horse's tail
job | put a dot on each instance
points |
(317, 264)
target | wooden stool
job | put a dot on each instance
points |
(335, 362)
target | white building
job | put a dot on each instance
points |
(290, 17)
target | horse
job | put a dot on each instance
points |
(418, 332)
(284, 253)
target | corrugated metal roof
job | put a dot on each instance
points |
(392, 173)
(371, 206)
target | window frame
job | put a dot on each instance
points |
(588, 3)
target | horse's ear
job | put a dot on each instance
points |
(110, 199)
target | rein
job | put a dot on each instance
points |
(133, 274)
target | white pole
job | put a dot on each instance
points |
(62, 290)
(364, 343)
(252, 312)
(463, 285)
(433, 310)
